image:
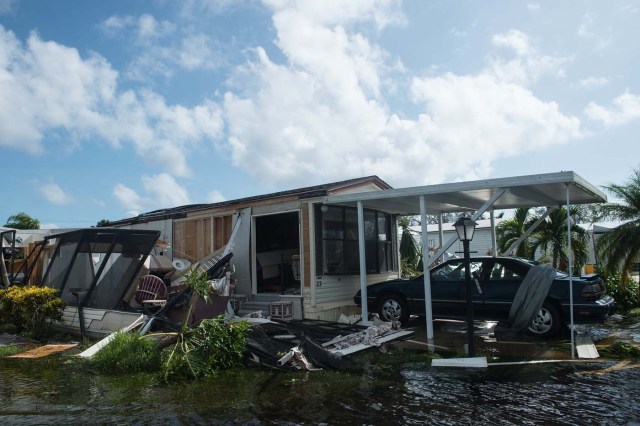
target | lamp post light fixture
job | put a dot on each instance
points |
(465, 227)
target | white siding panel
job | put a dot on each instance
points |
(332, 289)
(481, 242)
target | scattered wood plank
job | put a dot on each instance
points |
(537, 361)
(476, 362)
(43, 351)
(585, 347)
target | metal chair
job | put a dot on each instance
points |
(151, 289)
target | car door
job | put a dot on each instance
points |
(449, 290)
(501, 282)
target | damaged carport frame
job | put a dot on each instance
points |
(551, 190)
(100, 263)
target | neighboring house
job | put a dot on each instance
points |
(288, 244)
(18, 252)
(481, 244)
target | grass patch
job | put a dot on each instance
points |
(634, 313)
(128, 353)
(621, 350)
(12, 350)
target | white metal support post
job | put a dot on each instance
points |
(494, 249)
(363, 264)
(440, 234)
(425, 268)
(570, 260)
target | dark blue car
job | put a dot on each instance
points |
(495, 283)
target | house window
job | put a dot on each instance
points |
(337, 241)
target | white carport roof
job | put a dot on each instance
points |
(550, 190)
(521, 191)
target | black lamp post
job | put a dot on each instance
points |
(465, 228)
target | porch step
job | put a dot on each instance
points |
(253, 306)
(260, 302)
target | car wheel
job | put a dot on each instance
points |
(393, 308)
(547, 321)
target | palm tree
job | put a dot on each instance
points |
(22, 221)
(551, 238)
(510, 230)
(621, 245)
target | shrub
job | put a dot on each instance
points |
(625, 292)
(207, 349)
(128, 353)
(30, 309)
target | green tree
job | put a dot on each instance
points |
(621, 246)
(551, 238)
(102, 223)
(510, 230)
(22, 221)
(410, 253)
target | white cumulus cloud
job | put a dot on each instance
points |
(528, 64)
(164, 190)
(215, 196)
(128, 198)
(55, 195)
(624, 109)
(321, 114)
(160, 191)
(57, 89)
(594, 82)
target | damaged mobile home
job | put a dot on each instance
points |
(304, 253)
(293, 256)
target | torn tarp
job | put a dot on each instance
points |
(530, 296)
(527, 301)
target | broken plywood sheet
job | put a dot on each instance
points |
(43, 351)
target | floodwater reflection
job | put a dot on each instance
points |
(400, 388)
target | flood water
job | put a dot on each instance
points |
(396, 388)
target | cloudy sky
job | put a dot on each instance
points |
(113, 108)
